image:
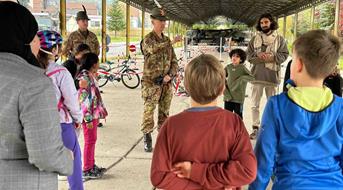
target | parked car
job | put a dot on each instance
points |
(45, 21)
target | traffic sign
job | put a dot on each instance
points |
(132, 48)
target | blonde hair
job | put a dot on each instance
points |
(204, 78)
(319, 51)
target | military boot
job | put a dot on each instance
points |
(147, 142)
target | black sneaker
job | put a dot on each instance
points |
(91, 174)
(147, 142)
(254, 134)
(100, 169)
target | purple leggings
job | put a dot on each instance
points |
(70, 141)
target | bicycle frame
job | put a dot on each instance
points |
(118, 73)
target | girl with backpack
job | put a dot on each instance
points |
(93, 109)
(67, 100)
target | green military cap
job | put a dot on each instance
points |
(158, 14)
(82, 15)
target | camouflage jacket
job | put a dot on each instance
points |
(159, 57)
(76, 38)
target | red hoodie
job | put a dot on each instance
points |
(214, 140)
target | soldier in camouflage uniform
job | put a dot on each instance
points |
(81, 36)
(160, 65)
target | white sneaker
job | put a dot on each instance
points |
(62, 178)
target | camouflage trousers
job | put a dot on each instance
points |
(155, 95)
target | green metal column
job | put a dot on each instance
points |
(178, 28)
(313, 9)
(169, 22)
(128, 23)
(173, 29)
(63, 22)
(103, 32)
(143, 22)
(178, 32)
(183, 29)
(284, 26)
(295, 26)
(336, 27)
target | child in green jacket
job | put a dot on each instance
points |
(237, 77)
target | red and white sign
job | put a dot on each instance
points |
(132, 48)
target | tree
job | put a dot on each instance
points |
(304, 22)
(25, 3)
(219, 22)
(327, 16)
(116, 21)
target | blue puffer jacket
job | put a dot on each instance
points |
(301, 149)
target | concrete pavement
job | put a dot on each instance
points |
(119, 146)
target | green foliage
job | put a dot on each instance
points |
(219, 22)
(324, 19)
(117, 20)
(304, 22)
(326, 16)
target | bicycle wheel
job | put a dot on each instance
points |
(102, 77)
(130, 79)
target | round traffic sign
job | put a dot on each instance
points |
(132, 48)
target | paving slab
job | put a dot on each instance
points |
(120, 148)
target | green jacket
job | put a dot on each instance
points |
(237, 78)
(76, 38)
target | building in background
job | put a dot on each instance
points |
(46, 13)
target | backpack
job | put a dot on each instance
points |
(60, 104)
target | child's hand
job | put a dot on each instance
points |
(83, 84)
(90, 125)
(183, 169)
(77, 125)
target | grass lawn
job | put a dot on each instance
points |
(122, 39)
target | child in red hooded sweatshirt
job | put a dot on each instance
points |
(205, 146)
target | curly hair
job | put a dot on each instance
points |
(242, 55)
(273, 23)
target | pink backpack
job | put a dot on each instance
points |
(60, 104)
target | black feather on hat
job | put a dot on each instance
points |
(82, 15)
(84, 9)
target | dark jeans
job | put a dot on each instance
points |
(234, 107)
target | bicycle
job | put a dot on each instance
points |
(124, 73)
(179, 89)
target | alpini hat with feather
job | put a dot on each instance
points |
(159, 14)
(82, 15)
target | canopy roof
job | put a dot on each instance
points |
(245, 11)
